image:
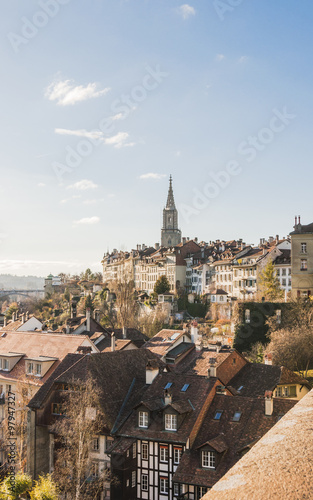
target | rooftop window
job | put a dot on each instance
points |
(170, 422)
(208, 459)
(168, 385)
(184, 388)
(218, 414)
(236, 416)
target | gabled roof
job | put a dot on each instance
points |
(228, 437)
(189, 403)
(162, 341)
(120, 377)
(278, 466)
(255, 378)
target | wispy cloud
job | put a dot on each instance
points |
(93, 134)
(219, 57)
(83, 185)
(186, 11)
(20, 265)
(119, 140)
(66, 93)
(87, 221)
(243, 59)
(66, 200)
(41, 185)
(152, 176)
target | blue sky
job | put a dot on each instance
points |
(102, 99)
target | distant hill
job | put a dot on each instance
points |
(11, 282)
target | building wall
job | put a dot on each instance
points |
(301, 280)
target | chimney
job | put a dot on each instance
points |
(167, 397)
(88, 319)
(124, 332)
(152, 370)
(270, 239)
(196, 240)
(268, 359)
(26, 316)
(269, 405)
(112, 341)
(97, 315)
(299, 220)
(184, 241)
(5, 321)
(13, 317)
(212, 369)
(277, 238)
(67, 328)
(23, 318)
(157, 246)
(194, 332)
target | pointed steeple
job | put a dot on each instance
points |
(170, 234)
(170, 197)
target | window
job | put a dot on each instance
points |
(170, 422)
(184, 388)
(144, 451)
(236, 416)
(283, 272)
(38, 370)
(134, 450)
(144, 482)
(168, 385)
(164, 485)
(95, 469)
(5, 365)
(177, 455)
(278, 316)
(143, 419)
(247, 315)
(208, 459)
(163, 453)
(177, 490)
(30, 368)
(303, 247)
(218, 414)
(279, 392)
(240, 388)
(127, 483)
(277, 272)
(201, 490)
(57, 409)
(292, 391)
(304, 265)
(134, 479)
(95, 444)
(283, 282)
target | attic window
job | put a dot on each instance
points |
(236, 416)
(208, 459)
(184, 388)
(4, 364)
(218, 414)
(241, 387)
(168, 385)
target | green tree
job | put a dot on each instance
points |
(13, 489)
(89, 303)
(44, 489)
(162, 285)
(269, 283)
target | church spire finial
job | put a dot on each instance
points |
(170, 197)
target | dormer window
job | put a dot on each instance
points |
(170, 422)
(34, 369)
(208, 459)
(30, 368)
(143, 418)
(4, 364)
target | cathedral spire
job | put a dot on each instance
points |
(170, 197)
(170, 234)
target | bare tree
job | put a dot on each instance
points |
(82, 419)
(126, 305)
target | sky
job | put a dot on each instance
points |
(101, 100)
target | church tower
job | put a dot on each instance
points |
(170, 234)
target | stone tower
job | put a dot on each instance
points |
(170, 234)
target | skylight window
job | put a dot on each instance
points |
(173, 337)
(168, 385)
(236, 416)
(184, 388)
(218, 414)
(241, 387)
